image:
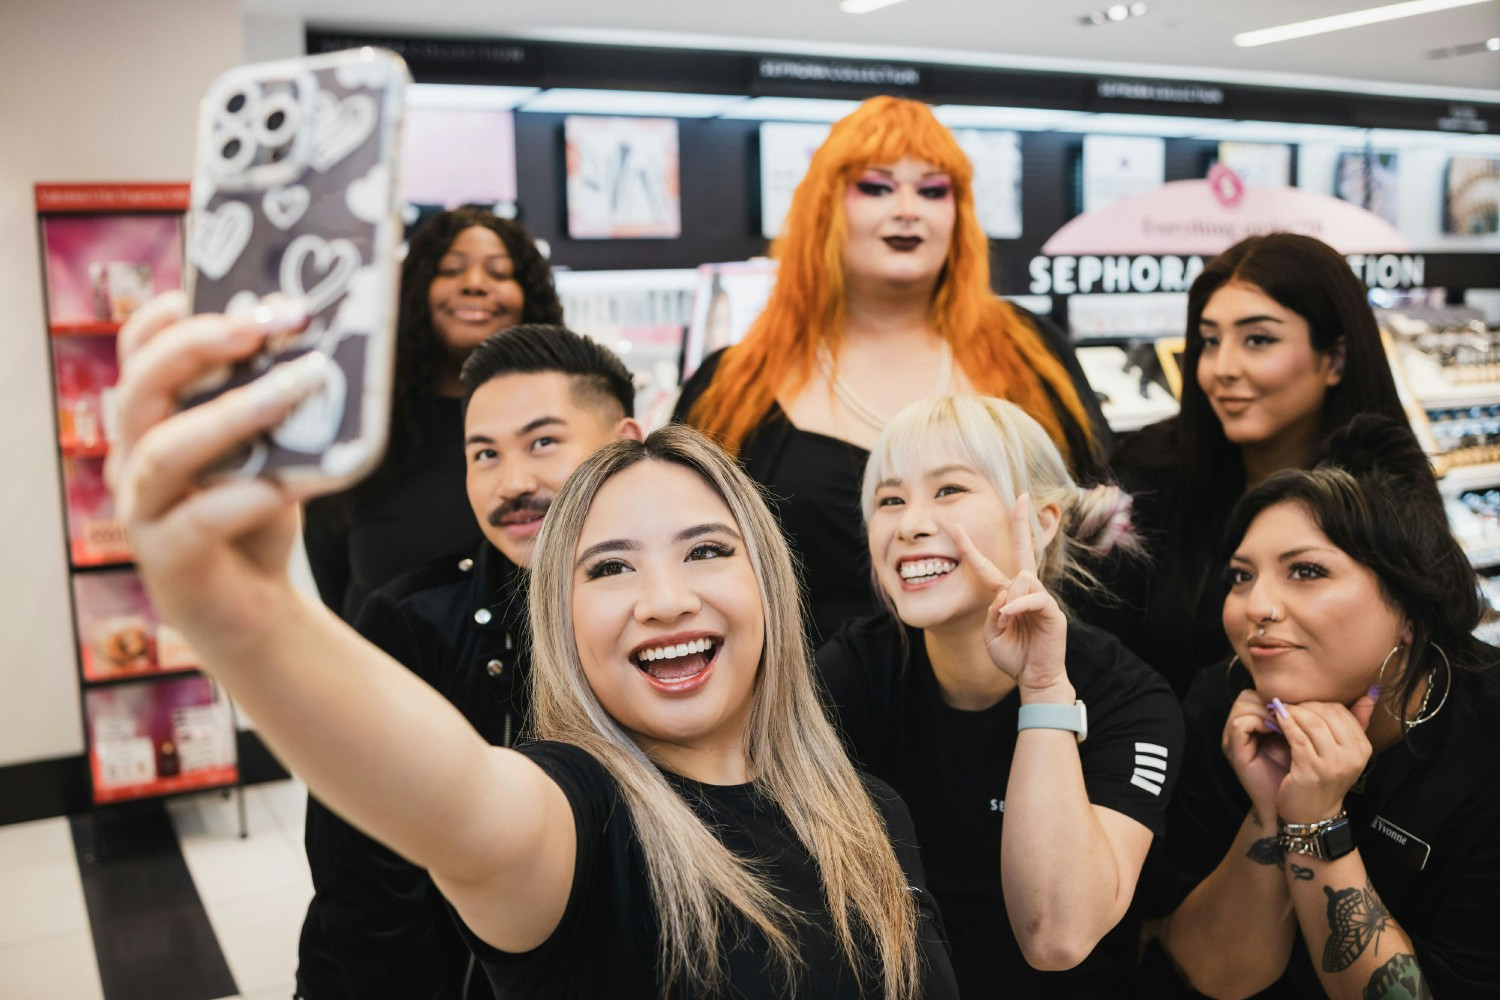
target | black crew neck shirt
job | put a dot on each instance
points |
(1426, 823)
(607, 942)
(952, 766)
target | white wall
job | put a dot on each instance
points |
(89, 90)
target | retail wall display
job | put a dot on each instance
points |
(622, 178)
(95, 535)
(1258, 164)
(1370, 180)
(996, 157)
(458, 156)
(1471, 196)
(99, 268)
(641, 316)
(1489, 629)
(1116, 167)
(726, 300)
(154, 725)
(786, 148)
(86, 370)
(1131, 385)
(1141, 316)
(148, 739)
(119, 633)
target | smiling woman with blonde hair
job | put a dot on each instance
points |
(882, 297)
(686, 827)
(1037, 754)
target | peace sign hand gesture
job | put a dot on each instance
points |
(1025, 632)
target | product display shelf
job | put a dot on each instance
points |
(1447, 366)
(154, 724)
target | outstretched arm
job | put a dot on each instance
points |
(371, 740)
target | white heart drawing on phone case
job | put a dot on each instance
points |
(314, 424)
(340, 127)
(336, 261)
(285, 205)
(369, 197)
(219, 237)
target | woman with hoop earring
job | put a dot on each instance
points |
(1346, 841)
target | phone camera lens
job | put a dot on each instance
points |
(231, 149)
(275, 120)
(235, 103)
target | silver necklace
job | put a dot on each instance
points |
(857, 406)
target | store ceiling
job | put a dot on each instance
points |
(1183, 38)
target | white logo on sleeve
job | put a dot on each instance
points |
(1150, 767)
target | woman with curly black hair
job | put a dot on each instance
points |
(468, 274)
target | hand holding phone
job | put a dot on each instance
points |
(296, 196)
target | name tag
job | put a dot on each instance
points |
(1407, 846)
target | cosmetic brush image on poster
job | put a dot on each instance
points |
(1368, 179)
(622, 178)
(1471, 196)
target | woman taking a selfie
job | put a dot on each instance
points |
(686, 827)
(882, 298)
(1037, 754)
(1336, 830)
(468, 273)
(1282, 350)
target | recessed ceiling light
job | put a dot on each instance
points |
(1114, 12)
(1467, 49)
(1340, 22)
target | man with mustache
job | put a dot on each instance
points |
(538, 400)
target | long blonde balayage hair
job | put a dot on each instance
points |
(795, 760)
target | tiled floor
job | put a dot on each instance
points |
(255, 892)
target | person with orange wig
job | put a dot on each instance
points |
(882, 298)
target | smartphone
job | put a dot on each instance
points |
(296, 193)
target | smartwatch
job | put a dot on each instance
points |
(1074, 718)
(1326, 840)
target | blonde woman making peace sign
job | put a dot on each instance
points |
(1036, 753)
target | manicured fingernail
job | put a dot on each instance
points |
(1271, 725)
(278, 313)
(1374, 691)
(291, 382)
(1279, 708)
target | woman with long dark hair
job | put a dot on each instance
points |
(1335, 831)
(468, 273)
(1282, 350)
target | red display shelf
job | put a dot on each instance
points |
(123, 197)
(73, 449)
(208, 777)
(93, 675)
(102, 329)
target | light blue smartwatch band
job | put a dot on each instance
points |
(1074, 718)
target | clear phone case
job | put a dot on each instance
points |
(296, 192)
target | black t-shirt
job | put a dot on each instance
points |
(607, 942)
(364, 538)
(814, 482)
(1166, 607)
(952, 766)
(1426, 822)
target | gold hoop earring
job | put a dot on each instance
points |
(1234, 661)
(1423, 715)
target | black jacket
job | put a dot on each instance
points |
(377, 926)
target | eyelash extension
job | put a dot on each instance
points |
(604, 567)
(936, 192)
(872, 187)
(1313, 570)
(719, 549)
